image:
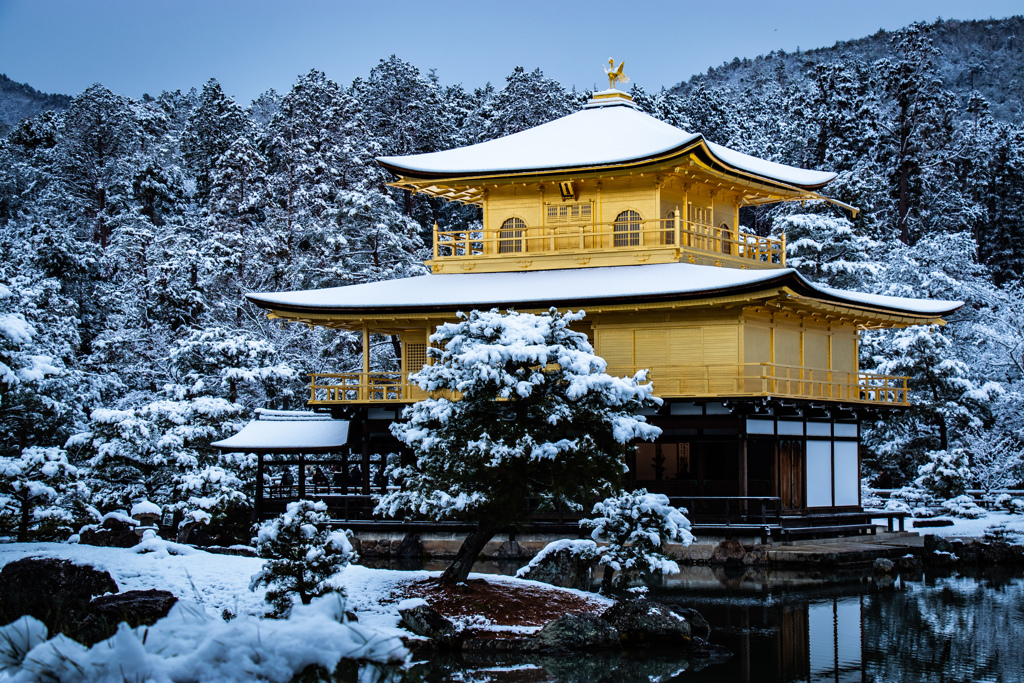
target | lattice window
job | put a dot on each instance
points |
(726, 236)
(627, 229)
(415, 356)
(560, 214)
(700, 215)
(510, 237)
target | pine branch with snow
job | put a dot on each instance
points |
(636, 526)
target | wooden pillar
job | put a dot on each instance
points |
(302, 477)
(365, 483)
(743, 473)
(364, 380)
(259, 486)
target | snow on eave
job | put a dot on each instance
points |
(287, 436)
(583, 287)
(591, 139)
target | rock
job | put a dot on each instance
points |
(934, 543)
(699, 626)
(477, 645)
(883, 565)
(136, 608)
(756, 557)
(969, 553)
(56, 592)
(510, 550)
(409, 547)
(996, 552)
(728, 551)
(703, 650)
(642, 622)
(911, 564)
(113, 533)
(573, 632)
(424, 620)
(941, 559)
(563, 568)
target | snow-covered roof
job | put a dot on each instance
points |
(577, 286)
(287, 436)
(290, 415)
(596, 136)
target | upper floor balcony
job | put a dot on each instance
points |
(629, 240)
(736, 380)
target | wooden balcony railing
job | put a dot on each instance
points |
(359, 387)
(772, 379)
(669, 234)
(670, 381)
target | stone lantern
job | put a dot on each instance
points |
(147, 515)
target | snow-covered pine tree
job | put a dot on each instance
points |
(301, 553)
(636, 526)
(37, 490)
(537, 420)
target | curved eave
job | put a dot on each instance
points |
(697, 145)
(787, 285)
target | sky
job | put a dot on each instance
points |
(147, 46)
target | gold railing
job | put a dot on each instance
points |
(610, 237)
(359, 387)
(772, 379)
(670, 381)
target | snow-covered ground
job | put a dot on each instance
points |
(970, 528)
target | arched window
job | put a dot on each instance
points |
(627, 229)
(726, 235)
(510, 237)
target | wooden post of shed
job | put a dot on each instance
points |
(365, 483)
(259, 486)
(302, 477)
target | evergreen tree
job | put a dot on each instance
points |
(302, 555)
(537, 418)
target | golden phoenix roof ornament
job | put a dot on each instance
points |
(615, 74)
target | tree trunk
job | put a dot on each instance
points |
(458, 570)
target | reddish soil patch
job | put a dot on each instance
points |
(501, 603)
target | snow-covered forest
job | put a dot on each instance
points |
(131, 229)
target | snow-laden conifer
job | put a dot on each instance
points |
(636, 525)
(537, 424)
(37, 490)
(301, 553)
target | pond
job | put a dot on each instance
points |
(785, 626)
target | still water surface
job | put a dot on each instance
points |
(787, 626)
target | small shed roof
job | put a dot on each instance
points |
(287, 436)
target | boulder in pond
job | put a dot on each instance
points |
(424, 620)
(729, 552)
(933, 543)
(411, 546)
(699, 626)
(643, 622)
(573, 632)
(564, 563)
(756, 556)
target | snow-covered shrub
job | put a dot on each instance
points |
(36, 493)
(301, 553)
(537, 418)
(909, 499)
(189, 645)
(636, 526)
(1015, 506)
(947, 474)
(869, 498)
(963, 506)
